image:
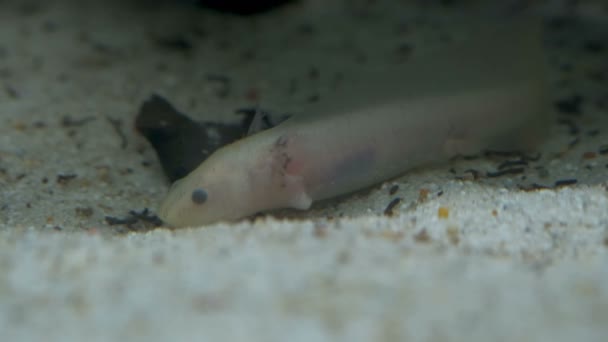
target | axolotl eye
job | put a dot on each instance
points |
(199, 196)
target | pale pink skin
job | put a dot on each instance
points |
(372, 131)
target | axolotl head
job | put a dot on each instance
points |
(249, 176)
(217, 190)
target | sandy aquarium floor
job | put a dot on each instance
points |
(493, 248)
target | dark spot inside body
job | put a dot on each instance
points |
(199, 196)
(351, 165)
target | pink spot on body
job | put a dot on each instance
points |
(294, 167)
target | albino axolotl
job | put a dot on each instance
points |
(486, 93)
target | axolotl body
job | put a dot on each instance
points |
(484, 94)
